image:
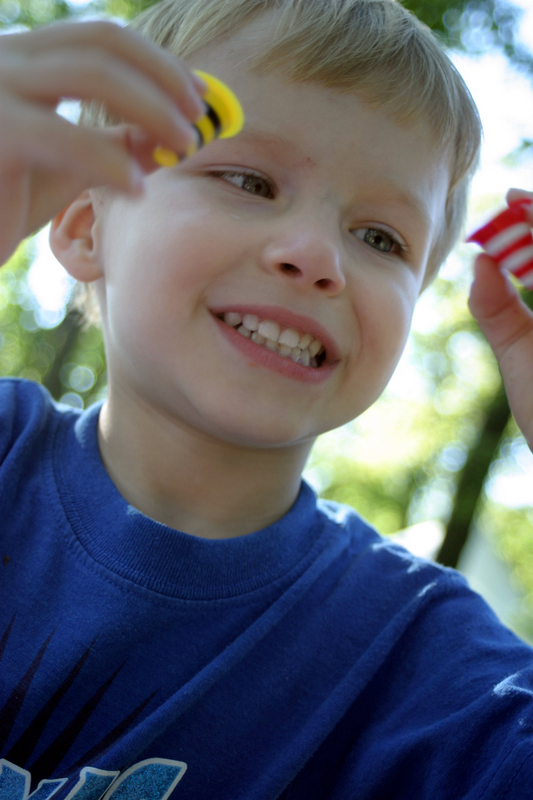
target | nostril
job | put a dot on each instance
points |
(324, 283)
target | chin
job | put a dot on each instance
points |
(259, 432)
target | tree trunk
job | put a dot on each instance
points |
(472, 478)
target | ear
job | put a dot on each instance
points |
(72, 239)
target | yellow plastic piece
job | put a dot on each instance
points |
(206, 128)
(226, 106)
(224, 103)
(165, 157)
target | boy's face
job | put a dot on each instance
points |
(330, 236)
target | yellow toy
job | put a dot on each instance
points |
(224, 118)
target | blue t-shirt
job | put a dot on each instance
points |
(310, 660)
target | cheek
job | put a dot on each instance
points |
(161, 254)
(385, 321)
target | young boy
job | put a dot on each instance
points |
(180, 616)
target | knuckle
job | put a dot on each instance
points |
(104, 32)
(105, 27)
(95, 74)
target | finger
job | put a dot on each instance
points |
(126, 93)
(498, 308)
(170, 73)
(95, 159)
(520, 194)
(507, 324)
(137, 143)
(51, 191)
(53, 188)
(200, 85)
(14, 202)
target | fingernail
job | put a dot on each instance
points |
(184, 131)
(203, 111)
(192, 137)
(200, 108)
(200, 84)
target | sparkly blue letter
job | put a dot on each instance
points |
(153, 779)
(15, 784)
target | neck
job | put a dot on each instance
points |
(192, 482)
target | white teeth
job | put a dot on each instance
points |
(305, 341)
(289, 337)
(290, 343)
(251, 322)
(270, 330)
(314, 348)
(232, 319)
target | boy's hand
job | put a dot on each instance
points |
(507, 324)
(45, 161)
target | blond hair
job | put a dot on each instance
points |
(374, 48)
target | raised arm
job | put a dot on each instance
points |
(45, 161)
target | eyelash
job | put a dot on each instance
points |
(401, 248)
(396, 243)
(245, 174)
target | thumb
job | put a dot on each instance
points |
(507, 323)
(497, 307)
(138, 144)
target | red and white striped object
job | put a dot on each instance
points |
(507, 239)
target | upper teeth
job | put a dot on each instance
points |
(301, 347)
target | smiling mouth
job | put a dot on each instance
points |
(289, 343)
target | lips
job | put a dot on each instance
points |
(302, 348)
(289, 329)
(300, 367)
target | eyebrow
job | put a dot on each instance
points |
(270, 141)
(403, 199)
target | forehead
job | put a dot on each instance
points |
(325, 132)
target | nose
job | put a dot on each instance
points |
(309, 255)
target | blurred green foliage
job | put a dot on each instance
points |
(61, 354)
(403, 461)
